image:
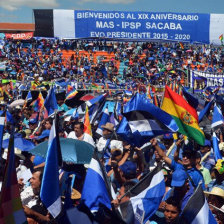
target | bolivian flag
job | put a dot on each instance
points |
(87, 125)
(71, 94)
(185, 116)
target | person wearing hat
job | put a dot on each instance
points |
(187, 164)
(218, 172)
(156, 158)
(104, 144)
(207, 156)
(216, 198)
(181, 189)
(126, 172)
(33, 124)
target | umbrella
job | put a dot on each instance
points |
(74, 151)
(20, 143)
(15, 103)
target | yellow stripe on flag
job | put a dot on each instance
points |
(174, 110)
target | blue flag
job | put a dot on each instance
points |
(104, 119)
(217, 119)
(148, 193)
(197, 210)
(50, 191)
(217, 152)
(96, 190)
(95, 100)
(144, 121)
(205, 110)
(194, 101)
(50, 102)
(9, 117)
(29, 96)
(139, 216)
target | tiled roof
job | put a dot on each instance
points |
(17, 26)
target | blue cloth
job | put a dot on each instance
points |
(50, 190)
(144, 121)
(153, 187)
(217, 152)
(94, 190)
(50, 102)
(194, 173)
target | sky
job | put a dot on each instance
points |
(20, 11)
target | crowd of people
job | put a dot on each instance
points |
(37, 65)
(158, 61)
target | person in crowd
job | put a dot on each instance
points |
(205, 172)
(181, 189)
(79, 133)
(33, 124)
(188, 163)
(218, 173)
(207, 156)
(171, 212)
(61, 103)
(32, 205)
(48, 123)
(145, 64)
